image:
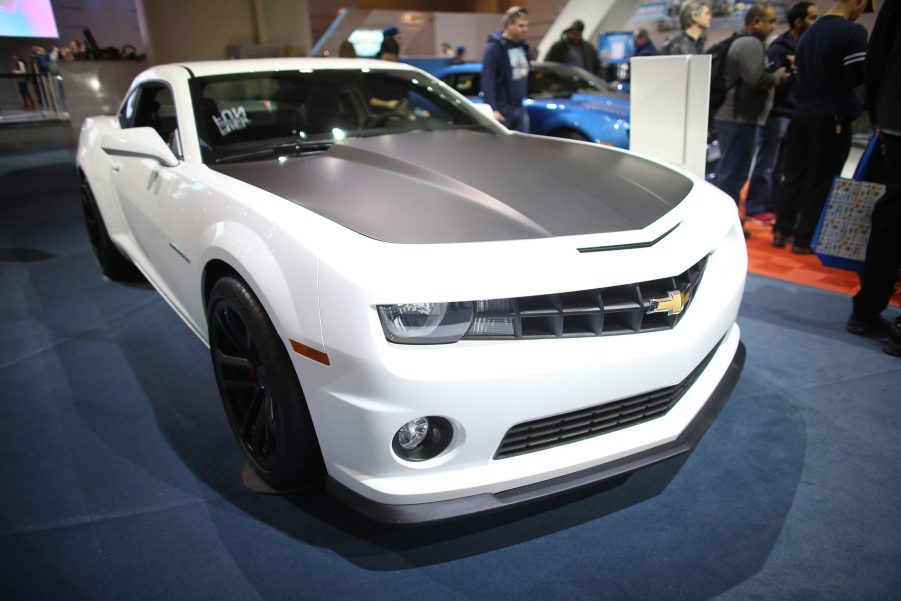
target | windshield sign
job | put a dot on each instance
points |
(252, 116)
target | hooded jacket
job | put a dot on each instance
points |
(504, 84)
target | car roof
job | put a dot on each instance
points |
(208, 68)
(477, 67)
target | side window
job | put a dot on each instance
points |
(127, 114)
(156, 109)
(468, 84)
(545, 83)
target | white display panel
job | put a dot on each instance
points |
(27, 19)
(669, 106)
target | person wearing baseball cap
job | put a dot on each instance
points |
(390, 48)
(572, 49)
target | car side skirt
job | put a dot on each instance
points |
(440, 511)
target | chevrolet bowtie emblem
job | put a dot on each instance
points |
(672, 304)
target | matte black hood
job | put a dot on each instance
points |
(467, 186)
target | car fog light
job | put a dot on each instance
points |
(413, 433)
(422, 438)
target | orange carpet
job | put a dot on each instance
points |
(782, 264)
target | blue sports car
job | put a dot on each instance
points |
(563, 101)
(568, 102)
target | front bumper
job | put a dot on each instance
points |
(485, 388)
(438, 511)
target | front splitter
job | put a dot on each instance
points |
(440, 511)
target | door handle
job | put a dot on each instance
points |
(115, 166)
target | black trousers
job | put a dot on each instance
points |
(816, 148)
(884, 246)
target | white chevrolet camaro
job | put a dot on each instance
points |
(438, 315)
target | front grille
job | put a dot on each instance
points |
(598, 312)
(587, 423)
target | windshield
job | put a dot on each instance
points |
(559, 80)
(251, 115)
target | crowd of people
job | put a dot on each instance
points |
(42, 61)
(787, 112)
(798, 99)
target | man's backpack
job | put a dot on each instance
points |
(718, 85)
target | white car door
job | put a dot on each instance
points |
(147, 191)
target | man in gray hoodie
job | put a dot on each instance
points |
(748, 101)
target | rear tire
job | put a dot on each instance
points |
(260, 390)
(112, 262)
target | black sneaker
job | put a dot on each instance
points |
(780, 239)
(892, 346)
(874, 327)
(800, 249)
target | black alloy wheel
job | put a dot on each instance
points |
(260, 390)
(112, 262)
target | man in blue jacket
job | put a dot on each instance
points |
(641, 39)
(505, 70)
(767, 173)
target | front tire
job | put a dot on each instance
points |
(112, 262)
(260, 390)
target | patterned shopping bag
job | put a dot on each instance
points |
(841, 237)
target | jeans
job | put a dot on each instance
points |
(738, 141)
(518, 120)
(767, 174)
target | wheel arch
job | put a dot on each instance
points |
(290, 299)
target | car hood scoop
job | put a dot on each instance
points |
(466, 186)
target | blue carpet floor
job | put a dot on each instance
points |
(119, 478)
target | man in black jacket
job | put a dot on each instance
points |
(571, 49)
(883, 85)
(694, 17)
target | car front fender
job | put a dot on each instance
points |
(279, 270)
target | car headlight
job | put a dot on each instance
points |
(440, 323)
(426, 323)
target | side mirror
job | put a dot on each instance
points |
(142, 142)
(486, 110)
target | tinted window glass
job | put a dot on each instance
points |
(242, 113)
(468, 84)
(156, 109)
(126, 115)
(560, 80)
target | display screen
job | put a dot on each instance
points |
(366, 42)
(27, 19)
(616, 47)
